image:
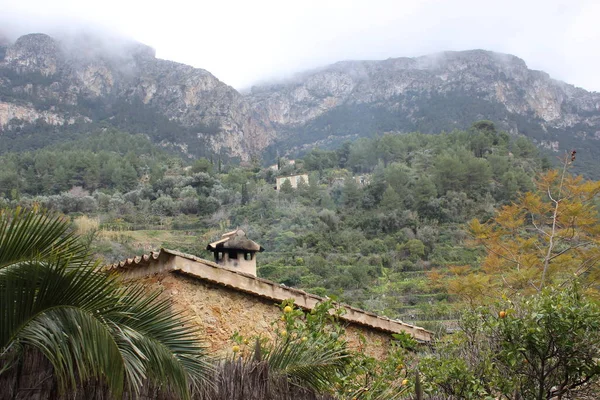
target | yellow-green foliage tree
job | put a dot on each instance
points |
(548, 236)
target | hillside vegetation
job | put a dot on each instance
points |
(375, 217)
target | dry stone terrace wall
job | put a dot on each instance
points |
(221, 311)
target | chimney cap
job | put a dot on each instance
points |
(235, 240)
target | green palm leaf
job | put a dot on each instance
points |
(83, 320)
(166, 339)
(313, 364)
(26, 234)
(79, 346)
(58, 311)
(32, 287)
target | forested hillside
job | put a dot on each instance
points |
(376, 217)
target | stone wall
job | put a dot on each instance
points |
(221, 311)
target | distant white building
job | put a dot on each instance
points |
(294, 180)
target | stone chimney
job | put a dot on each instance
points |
(235, 251)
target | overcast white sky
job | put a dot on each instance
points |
(246, 41)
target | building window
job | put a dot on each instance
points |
(247, 256)
(233, 255)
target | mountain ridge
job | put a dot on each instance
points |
(75, 81)
(88, 80)
(431, 94)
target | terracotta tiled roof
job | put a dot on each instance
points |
(136, 260)
(144, 260)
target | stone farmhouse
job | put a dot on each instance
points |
(225, 296)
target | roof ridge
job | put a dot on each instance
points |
(154, 255)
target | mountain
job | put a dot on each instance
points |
(430, 94)
(47, 84)
(51, 89)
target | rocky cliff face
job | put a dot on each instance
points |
(86, 80)
(430, 93)
(67, 84)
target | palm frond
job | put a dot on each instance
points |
(30, 288)
(313, 364)
(380, 390)
(89, 326)
(27, 234)
(164, 337)
(78, 346)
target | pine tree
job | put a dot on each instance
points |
(286, 187)
(351, 194)
(391, 200)
(245, 194)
